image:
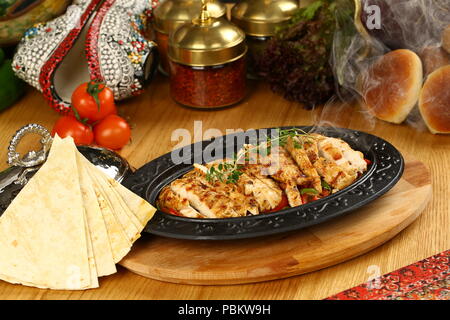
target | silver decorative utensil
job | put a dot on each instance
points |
(13, 179)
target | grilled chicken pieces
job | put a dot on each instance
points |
(336, 162)
(170, 201)
(302, 163)
(295, 147)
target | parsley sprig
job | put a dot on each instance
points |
(231, 171)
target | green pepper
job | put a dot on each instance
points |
(11, 87)
(308, 191)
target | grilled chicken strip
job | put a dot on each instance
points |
(206, 200)
(258, 188)
(342, 154)
(169, 200)
(263, 189)
(233, 191)
(332, 173)
(311, 149)
(281, 167)
(295, 148)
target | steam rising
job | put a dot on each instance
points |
(407, 24)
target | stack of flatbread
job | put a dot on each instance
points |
(69, 225)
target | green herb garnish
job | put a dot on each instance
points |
(325, 185)
(230, 172)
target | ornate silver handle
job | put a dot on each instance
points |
(32, 158)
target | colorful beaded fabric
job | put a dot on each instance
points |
(116, 50)
(428, 279)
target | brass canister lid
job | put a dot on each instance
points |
(171, 14)
(262, 17)
(207, 41)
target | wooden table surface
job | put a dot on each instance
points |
(154, 116)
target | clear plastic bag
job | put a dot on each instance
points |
(368, 32)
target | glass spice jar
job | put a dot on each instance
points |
(207, 63)
(259, 19)
(171, 14)
(212, 86)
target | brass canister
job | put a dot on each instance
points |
(207, 63)
(259, 19)
(171, 14)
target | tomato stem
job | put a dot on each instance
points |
(75, 112)
(94, 89)
(77, 116)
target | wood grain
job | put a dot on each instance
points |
(154, 116)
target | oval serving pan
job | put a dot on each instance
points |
(384, 172)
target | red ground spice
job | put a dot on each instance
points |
(162, 40)
(213, 86)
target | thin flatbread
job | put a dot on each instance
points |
(13, 255)
(143, 210)
(132, 230)
(44, 239)
(91, 257)
(120, 245)
(102, 178)
(103, 255)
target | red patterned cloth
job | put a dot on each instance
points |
(428, 279)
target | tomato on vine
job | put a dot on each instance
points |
(113, 132)
(93, 101)
(81, 133)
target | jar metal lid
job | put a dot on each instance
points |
(262, 17)
(171, 14)
(207, 42)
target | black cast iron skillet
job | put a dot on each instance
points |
(384, 172)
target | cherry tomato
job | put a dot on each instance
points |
(113, 132)
(174, 212)
(283, 204)
(306, 198)
(69, 126)
(325, 193)
(93, 101)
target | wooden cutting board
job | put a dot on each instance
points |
(288, 254)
